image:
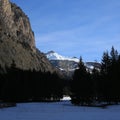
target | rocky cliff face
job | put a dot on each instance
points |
(15, 23)
(17, 41)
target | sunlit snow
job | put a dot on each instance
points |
(55, 56)
(65, 98)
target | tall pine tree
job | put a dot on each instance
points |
(81, 86)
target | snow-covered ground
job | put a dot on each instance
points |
(58, 111)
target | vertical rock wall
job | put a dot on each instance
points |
(16, 24)
(17, 41)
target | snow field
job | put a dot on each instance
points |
(58, 111)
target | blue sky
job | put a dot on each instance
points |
(84, 28)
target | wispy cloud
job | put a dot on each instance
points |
(91, 39)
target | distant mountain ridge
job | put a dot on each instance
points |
(68, 64)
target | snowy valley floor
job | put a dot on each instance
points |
(58, 111)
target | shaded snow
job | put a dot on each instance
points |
(58, 111)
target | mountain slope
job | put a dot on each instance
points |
(17, 42)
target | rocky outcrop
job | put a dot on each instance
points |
(15, 23)
(17, 43)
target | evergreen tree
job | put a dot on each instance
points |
(106, 63)
(114, 76)
(114, 55)
(81, 86)
(95, 76)
(110, 76)
(105, 77)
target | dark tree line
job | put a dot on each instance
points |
(81, 85)
(18, 85)
(102, 85)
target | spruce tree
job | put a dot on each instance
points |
(114, 76)
(110, 76)
(81, 86)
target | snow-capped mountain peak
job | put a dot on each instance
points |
(51, 55)
(69, 64)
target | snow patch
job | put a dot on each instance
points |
(66, 98)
